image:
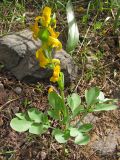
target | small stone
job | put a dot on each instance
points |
(18, 90)
(16, 109)
(43, 155)
(1, 87)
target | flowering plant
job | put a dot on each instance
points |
(63, 115)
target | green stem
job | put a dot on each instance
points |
(84, 114)
(63, 98)
(65, 111)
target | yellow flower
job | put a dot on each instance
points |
(56, 73)
(53, 33)
(46, 16)
(56, 61)
(54, 43)
(50, 90)
(35, 29)
(38, 18)
(41, 57)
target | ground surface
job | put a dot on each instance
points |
(99, 65)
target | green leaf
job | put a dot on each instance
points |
(35, 115)
(78, 110)
(53, 114)
(101, 97)
(74, 101)
(104, 107)
(55, 100)
(37, 129)
(45, 119)
(82, 139)
(91, 95)
(85, 127)
(21, 115)
(59, 136)
(43, 35)
(20, 125)
(73, 32)
(74, 132)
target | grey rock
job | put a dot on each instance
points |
(104, 140)
(17, 53)
(107, 144)
(18, 90)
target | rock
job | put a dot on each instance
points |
(17, 53)
(43, 155)
(107, 144)
(1, 87)
(18, 90)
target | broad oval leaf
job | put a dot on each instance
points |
(59, 136)
(53, 114)
(73, 32)
(55, 100)
(35, 115)
(37, 129)
(91, 95)
(78, 110)
(85, 127)
(21, 115)
(74, 101)
(20, 125)
(74, 132)
(104, 107)
(101, 97)
(82, 139)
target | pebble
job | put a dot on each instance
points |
(18, 90)
(43, 155)
(1, 87)
(16, 109)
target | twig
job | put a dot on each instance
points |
(79, 80)
(84, 38)
(112, 81)
(109, 64)
(54, 148)
(8, 102)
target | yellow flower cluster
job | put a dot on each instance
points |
(44, 29)
(56, 73)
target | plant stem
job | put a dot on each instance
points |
(63, 151)
(63, 98)
(84, 114)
